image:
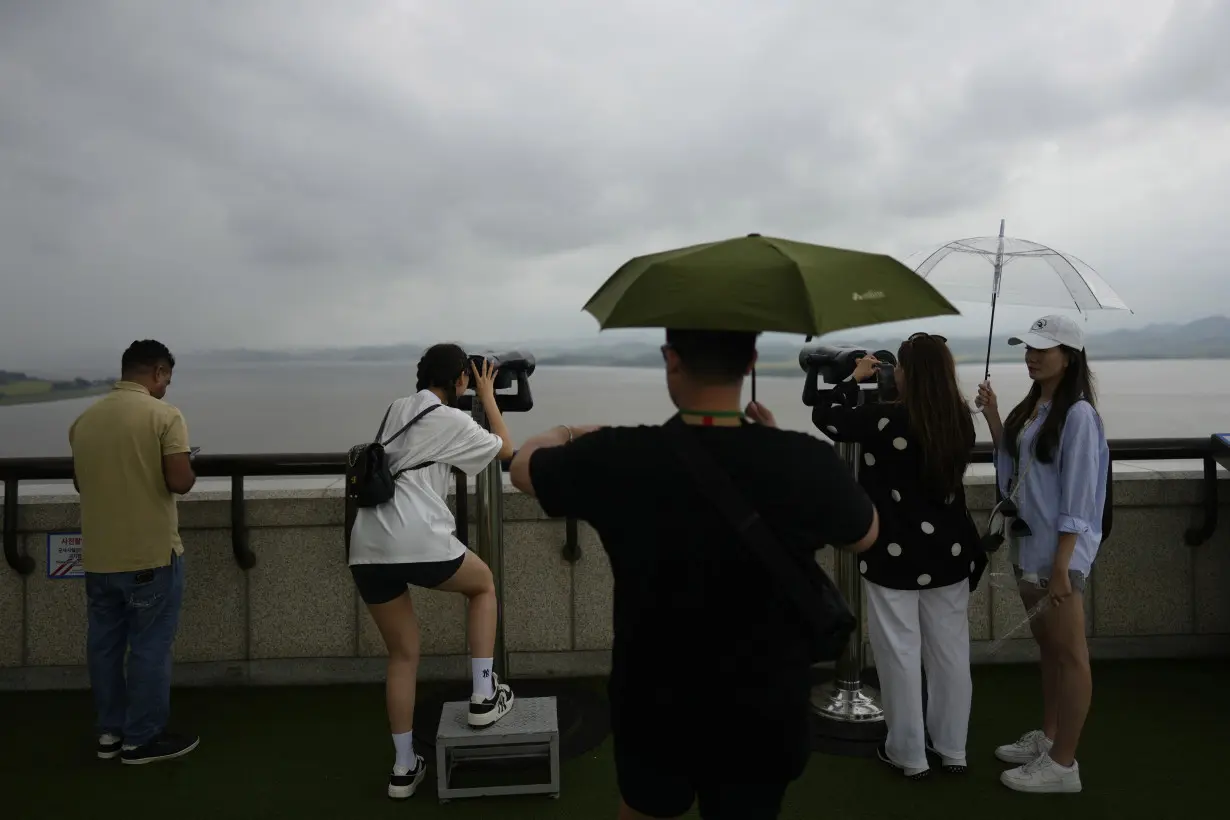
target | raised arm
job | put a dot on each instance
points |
(560, 469)
(837, 415)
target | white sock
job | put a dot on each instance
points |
(109, 739)
(480, 668)
(404, 744)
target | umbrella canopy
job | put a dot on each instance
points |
(761, 283)
(1032, 275)
(1040, 276)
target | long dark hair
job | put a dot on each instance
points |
(939, 416)
(1077, 384)
(441, 367)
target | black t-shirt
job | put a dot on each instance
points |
(705, 647)
(927, 539)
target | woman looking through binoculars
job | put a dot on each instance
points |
(1052, 463)
(919, 573)
(409, 540)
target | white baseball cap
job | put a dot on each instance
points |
(1052, 331)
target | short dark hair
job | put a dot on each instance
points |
(715, 356)
(146, 354)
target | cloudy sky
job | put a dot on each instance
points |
(278, 174)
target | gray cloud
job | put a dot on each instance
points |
(272, 174)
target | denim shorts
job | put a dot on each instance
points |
(1077, 580)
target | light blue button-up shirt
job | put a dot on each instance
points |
(1065, 496)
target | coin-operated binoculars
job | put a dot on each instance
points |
(515, 368)
(850, 720)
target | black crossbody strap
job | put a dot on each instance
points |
(409, 424)
(757, 536)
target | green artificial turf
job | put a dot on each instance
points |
(1154, 747)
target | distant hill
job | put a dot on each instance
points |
(22, 388)
(1202, 339)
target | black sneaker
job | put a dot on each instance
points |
(164, 747)
(488, 711)
(109, 747)
(402, 786)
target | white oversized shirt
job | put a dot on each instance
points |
(416, 525)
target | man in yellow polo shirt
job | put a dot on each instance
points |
(130, 460)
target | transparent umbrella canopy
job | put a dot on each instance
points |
(1016, 272)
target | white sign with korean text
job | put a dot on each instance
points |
(64, 555)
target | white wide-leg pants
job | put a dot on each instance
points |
(910, 629)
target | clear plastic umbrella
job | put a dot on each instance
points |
(1022, 273)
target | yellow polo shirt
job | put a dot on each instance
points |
(129, 519)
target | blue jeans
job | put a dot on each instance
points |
(136, 612)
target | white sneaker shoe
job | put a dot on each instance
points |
(402, 786)
(1043, 776)
(1029, 748)
(486, 711)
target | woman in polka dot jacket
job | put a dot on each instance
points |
(919, 573)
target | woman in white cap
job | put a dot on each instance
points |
(1052, 463)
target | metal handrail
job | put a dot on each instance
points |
(239, 467)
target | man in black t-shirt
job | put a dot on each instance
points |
(709, 684)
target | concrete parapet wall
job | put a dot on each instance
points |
(295, 616)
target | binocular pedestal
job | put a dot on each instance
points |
(848, 717)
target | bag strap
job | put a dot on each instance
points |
(409, 424)
(383, 422)
(752, 529)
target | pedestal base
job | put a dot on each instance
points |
(847, 719)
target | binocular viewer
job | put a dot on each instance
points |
(515, 368)
(836, 364)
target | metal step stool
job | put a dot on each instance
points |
(529, 731)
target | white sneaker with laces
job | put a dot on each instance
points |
(402, 786)
(1029, 748)
(1043, 776)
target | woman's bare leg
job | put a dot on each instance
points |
(399, 627)
(1049, 663)
(1065, 625)
(473, 580)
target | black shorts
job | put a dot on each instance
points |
(381, 583)
(657, 791)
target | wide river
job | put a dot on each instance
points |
(327, 407)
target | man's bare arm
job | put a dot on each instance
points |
(519, 469)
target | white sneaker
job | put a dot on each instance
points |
(486, 711)
(1029, 748)
(402, 786)
(1043, 776)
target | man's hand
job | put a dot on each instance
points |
(760, 414)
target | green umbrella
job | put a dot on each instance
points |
(761, 283)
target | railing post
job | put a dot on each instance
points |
(489, 521)
(846, 700)
(18, 560)
(239, 525)
(572, 544)
(1198, 535)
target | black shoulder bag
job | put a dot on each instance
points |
(808, 588)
